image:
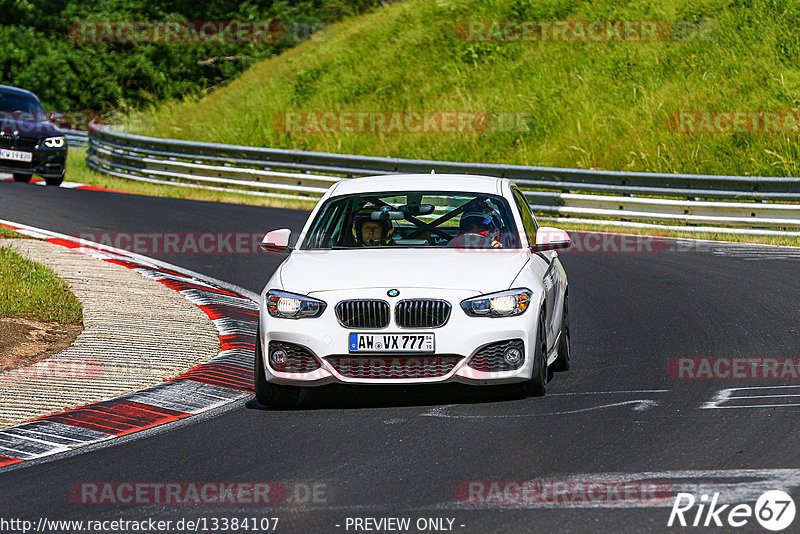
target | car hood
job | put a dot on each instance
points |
(29, 128)
(482, 271)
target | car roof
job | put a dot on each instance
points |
(468, 183)
(17, 90)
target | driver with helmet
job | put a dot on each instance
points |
(369, 232)
(483, 220)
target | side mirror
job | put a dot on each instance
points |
(549, 238)
(277, 241)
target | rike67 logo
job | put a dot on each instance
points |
(774, 510)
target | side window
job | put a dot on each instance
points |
(528, 221)
(327, 227)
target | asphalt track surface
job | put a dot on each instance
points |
(403, 452)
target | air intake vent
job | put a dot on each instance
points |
(490, 358)
(397, 366)
(297, 358)
(363, 313)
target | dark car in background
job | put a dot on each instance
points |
(30, 142)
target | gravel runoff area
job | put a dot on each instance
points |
(136, 333)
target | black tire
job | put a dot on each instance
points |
(537, 385)
(19, 177)
(562, 362)
(269, 394)
(54, 181)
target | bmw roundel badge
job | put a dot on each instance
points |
(393, 292)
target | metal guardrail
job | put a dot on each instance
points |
(76, 138)
(683, 199)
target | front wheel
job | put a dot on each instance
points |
(19, 177)
(537, 385)
(54, 181)
(267, 393)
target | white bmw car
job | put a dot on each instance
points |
(414, 279)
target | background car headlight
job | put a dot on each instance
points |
(291, 306)
(502, 304)
(54, 142)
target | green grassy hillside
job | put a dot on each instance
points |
(600, 105)
(42, 47)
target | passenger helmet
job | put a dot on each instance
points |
(481, 219)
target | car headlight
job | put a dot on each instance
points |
(291, 306)
(54, 142)
(502, 304)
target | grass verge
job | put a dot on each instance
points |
(8, 233)
(31, 290)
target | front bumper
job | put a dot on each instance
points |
(48, 163)
(457, 344)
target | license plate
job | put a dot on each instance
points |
(391, 342)
(16, 155)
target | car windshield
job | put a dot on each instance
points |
(413, 220)
(17, 103)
